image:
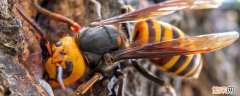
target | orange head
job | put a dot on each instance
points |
(68, 56)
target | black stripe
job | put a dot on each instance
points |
(136, 36)
(162, 32)
(151, 31)
(190, 66)
(178, 64)
(175, 33)
(69, 68)
(195, 69)
(161, 61)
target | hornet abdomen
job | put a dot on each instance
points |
(151, 31)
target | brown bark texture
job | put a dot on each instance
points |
(21, 60)
(15, 78)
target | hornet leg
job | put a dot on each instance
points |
(120, 76)
(148, 75)
(120, 80)
(169, 89)
(85, 86)
(121, 83)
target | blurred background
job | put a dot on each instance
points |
(221, 68)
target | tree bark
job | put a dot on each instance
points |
(15, 78)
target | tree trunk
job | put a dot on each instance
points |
(15, 78)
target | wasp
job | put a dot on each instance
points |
(101, 46)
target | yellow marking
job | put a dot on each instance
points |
(50, 68)
(196, 63)
(157, 29)
(180, 33)
(183, 66)
(170, 63)
(142, 38)
(168, 34)
(195, 76)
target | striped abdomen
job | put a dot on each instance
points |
(154, 31)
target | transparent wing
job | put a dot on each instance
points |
(181, 46)
(160, 9)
